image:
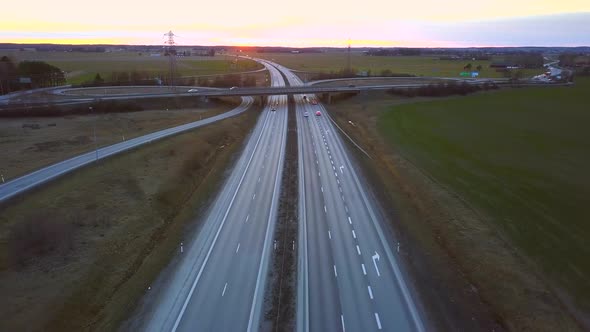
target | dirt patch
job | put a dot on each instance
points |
(79, 253)
(467, 276)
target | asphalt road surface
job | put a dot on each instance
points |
(218, 285)
(349, 278)
(34, 179)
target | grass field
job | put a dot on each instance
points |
(415, 65)
(81, 67)
(520, 156)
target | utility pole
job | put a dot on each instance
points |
(94, 133)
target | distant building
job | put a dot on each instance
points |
(504, 65)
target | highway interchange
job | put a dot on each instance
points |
(348, 275)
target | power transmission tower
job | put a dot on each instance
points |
(348, 60)
(170, 51)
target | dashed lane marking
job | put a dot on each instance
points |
(378, 321)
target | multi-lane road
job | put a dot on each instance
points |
(219, 283)
(349, 278)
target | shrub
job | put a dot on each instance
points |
(38, 236)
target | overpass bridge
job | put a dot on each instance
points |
(72, 96)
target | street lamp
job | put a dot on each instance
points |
(94, 133)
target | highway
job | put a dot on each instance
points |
(218, 283)
(36, 178)
(348, 275)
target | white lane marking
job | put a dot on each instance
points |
(254, 196)
(259, 179)
(224, 288)
(376, 257)
(334, 168)
(349, 220)
(325, 210)
(342, 196)
(336, 174)
(317, 162)
(322, 187)
(346, 208)
(194, 285)
(238, 248)
(319, 174)
(340, 188)
(314, 152)
(329, 235)
(342, 320)
(335, 273)
(358, 249)
(338, 181)
(364, 270)
(378, 321)
(332, 162)
(341, 167)
(353, 234)
(247, 217)
(370, 292)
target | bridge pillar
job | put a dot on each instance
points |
(260, 101)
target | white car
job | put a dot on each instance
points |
(233, 88)
(306, 114)
(193, 90)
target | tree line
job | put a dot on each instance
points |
(27, 75)
(443, 89)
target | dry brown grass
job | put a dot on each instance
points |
(124, 218)
(25, 149)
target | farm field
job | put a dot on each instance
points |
(81, 66)
(414, 65)
(519, 156)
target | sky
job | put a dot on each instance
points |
(301, 23)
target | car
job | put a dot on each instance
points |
(306, 114)
(304, 97)
(193, 90)
(233, 88)
(318, 113)
(351, 85)
(273, 109)
(314, 102)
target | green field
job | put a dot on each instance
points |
(81, 67)
(522, 157)
(415, 65)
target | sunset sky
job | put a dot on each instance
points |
(424, 23)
